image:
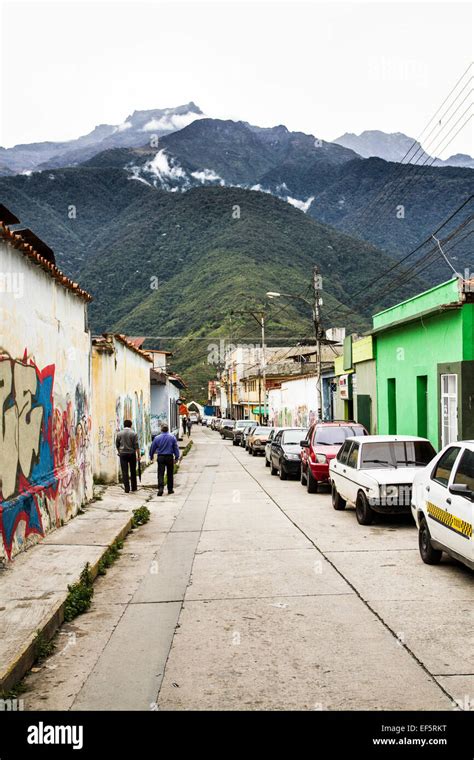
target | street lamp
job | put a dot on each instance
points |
(319, 333)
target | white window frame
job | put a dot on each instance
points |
(446, 397)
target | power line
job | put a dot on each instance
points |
(408, 255)
(384, 196)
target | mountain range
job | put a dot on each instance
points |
(392, 206)
(172, 234)
(173, 266)
(135, 130)
(396, 146)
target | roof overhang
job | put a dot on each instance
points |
(39, 245)
(7, 217)
(426, 314)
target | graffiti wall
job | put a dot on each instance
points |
(294, 404)
(121, 391)
(45, 420)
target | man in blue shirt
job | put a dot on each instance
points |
(166, 447)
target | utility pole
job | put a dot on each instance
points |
(318, 330)
(319, 334)
(259, 317)
(264, 369)
(259, 397)
(230, 369)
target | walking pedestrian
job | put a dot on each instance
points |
(184, 421)
(128, 450)
(166, 447)
(189, 425)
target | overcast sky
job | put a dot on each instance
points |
(322, 68)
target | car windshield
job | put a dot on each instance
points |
(333, 435)
(260, 431)
(396, 454)
(293, 436)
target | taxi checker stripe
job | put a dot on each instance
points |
(461, 527)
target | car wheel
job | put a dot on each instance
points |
(254, 452)
(337, 501)
(428, 554)
(273, 470)
(303, 477)
(364, 513)
(311, 482)
(283, 473)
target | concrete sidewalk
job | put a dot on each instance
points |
(222, 601)
(34, 587)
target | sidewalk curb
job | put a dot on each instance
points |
(13, 672)
(16, 669)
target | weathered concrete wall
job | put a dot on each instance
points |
(294, 404)
(121, 390)
(45, 420)
(164, 407)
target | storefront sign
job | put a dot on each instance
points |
(344, 387)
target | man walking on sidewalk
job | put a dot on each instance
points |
(128, 451)
(166, 447)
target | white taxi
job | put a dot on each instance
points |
(443, 505)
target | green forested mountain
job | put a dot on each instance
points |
(393, 206)
(173, 266)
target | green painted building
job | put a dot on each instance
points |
(425, 364)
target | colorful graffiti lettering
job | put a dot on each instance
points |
(43, 450)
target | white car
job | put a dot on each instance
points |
(443, 505)
(376, 472)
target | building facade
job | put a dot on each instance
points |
(120, 391)
(356, 384)
(166, 391)
(425, 364)
(45, 394)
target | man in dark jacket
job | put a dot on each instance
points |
(128, 451)
(166, 447)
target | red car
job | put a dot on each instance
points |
(322, 443)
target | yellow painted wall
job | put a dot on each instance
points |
(121, 390)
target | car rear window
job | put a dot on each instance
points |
(396, 454)
(332, 435)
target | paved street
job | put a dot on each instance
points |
(246, 592)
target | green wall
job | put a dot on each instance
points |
(413, 349)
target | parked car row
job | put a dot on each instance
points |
(377, 474)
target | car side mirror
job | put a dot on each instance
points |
(304, 444)
(461, 489)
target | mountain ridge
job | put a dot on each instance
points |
(396, 146)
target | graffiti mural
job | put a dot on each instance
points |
(44, 451)
(128, 408)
